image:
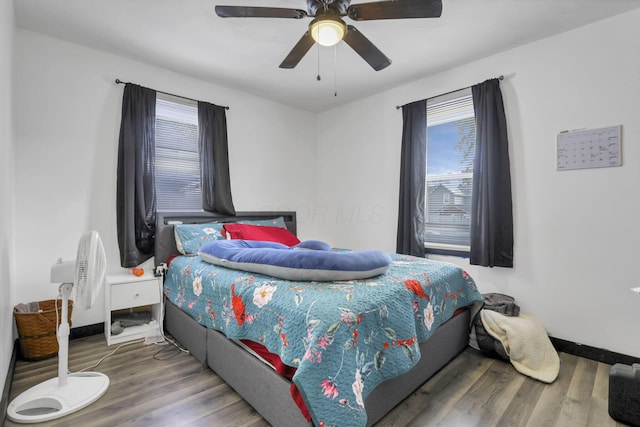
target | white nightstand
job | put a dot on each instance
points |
(125, 291)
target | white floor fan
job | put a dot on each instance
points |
(68, 393)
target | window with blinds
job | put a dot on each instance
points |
(177, 162)
(451, 136)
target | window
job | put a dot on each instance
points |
(177, 161)
(451, 134)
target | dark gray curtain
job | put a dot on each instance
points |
(136, 197)
(491, 208)
(413, 169)
(214, 159)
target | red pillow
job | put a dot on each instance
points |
(261, 232)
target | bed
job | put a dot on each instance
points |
(328, 353)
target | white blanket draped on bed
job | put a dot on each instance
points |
(526, 342)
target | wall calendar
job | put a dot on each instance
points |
(593, 148)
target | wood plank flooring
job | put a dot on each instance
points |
(157, 386)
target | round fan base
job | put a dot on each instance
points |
(50, 400)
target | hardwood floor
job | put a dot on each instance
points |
(157, 386)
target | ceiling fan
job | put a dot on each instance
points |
(327, 27)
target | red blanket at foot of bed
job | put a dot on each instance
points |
(281, 369)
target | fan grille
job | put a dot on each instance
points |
(90, 268)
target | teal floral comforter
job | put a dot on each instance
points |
(344, 338)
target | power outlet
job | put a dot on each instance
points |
(160, 269)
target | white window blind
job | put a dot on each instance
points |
(450, 152)
(177, 161)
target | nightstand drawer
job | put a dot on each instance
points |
(133, 294)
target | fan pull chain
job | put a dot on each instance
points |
(335, 70)
(318, 76)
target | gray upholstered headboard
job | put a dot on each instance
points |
(165, 245)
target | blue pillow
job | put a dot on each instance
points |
(315, 245)
(278, 260)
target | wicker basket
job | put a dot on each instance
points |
(37, 330)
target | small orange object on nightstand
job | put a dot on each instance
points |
(137, 271)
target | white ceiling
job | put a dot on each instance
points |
(186, 36)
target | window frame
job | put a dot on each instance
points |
(434, 247)
(191, 119)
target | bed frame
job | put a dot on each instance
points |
(260, 385)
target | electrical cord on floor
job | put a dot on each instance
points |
(155, 356)
(167, 341)
(110, 354)
(175, 348)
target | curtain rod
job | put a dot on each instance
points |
(443, 94)
(120, 82)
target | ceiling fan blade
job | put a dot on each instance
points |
(298, 51)
(367, 50)
(395, 9)
(259, 12)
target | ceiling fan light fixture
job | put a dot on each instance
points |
(327, 30)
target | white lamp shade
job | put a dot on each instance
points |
(327, 32)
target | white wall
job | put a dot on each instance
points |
(576, 232)
(7, 280)
(67, 118)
